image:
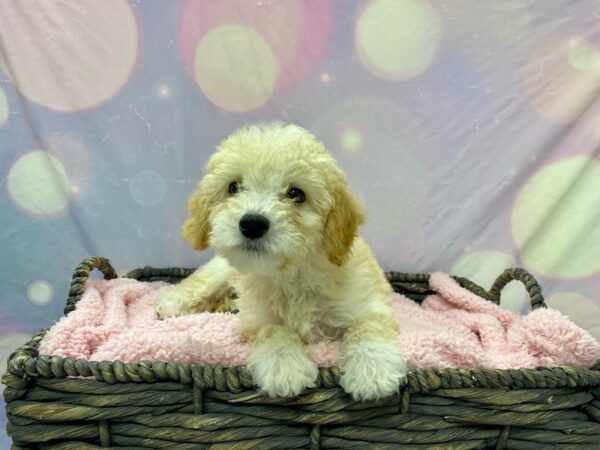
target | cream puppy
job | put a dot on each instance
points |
(283, 221)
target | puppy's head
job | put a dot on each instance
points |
(272, 197)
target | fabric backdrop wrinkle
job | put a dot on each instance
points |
(469, 129)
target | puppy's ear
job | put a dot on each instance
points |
(196, 228)
(341, 225)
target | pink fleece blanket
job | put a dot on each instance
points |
(454, 328)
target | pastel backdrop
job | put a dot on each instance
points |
(470, 130)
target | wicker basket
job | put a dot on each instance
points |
(164, 405)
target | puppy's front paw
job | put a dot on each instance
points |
(282, 372)
(170, 304)
(372, 370)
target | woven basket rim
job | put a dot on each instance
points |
(25, 362)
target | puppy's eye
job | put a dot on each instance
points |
(234, 187)
(296, 194)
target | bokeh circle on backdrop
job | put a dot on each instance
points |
(583, 55)
(38, 184)
(40, 292)
(561, 77)
(580, 309)
(68, 56)
(397, 40)
(235, 68)
(483, 267)
(555, 219)
(351, 138)
(147, 188)
(239, 53)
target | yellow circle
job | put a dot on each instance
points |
(40, 292)
(555, 222)
(235, 68)
(579, 308)
(351, 139)
(164, 91)
(68, 56)
(3, 108)
(38, 183)
(397, 40)
(483, 267)
(582, 55)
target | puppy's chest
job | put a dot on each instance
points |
(311, 314)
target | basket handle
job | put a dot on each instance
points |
(81, 275)
(531, 285)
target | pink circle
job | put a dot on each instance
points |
(298, 32)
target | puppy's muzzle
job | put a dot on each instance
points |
(254, 226)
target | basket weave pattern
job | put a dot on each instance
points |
(166, 405)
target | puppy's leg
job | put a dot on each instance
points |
(279, 362)
(372, 363)
(207, 289)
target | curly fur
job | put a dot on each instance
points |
(309, 278)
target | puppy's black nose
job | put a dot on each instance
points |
(254, 226)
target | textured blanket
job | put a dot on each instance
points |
(454, 328)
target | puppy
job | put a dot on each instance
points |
(279, 213)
